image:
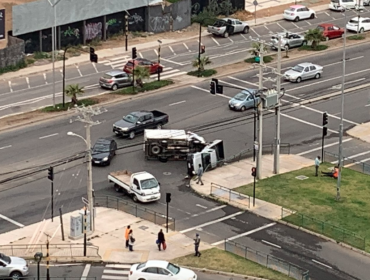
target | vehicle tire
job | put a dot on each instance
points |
(114, 87)
(16, 275)
(159, 126)
(226, 34)
(317, 76)
(117, 188)
(243, 108)
(246, 30)
(286, 47)
(163, 159)
(296, 19)
(156, 150)
(312, 16)
(362, 30)
(134, 198)
(132, 135)
(299, 79)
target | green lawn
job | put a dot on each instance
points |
(315, 197)
(216, 259)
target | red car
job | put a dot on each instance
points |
(330, 30)
(154, 67)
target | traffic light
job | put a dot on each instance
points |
(212, 87)
(51, 173)
(324, 131)
(324, 118)
(93, 55)
(168, 197)
(254, 171)
(134, 53)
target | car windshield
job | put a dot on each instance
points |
(320, 28)
(106, 76)
(335, 1)
(298, 68)
(173, 268)
(240, 96)
(292, 9)
(149, 184)
(101, 148)
(141, 265)
(129, 64)
(353, 21)
(5, 258)
(130, 118)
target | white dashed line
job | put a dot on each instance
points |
(249, 83)
(214, 40)
(308, 22)
(296, 25)
(78, 70)
(93, 64)
(10, 86)
(258, 35)
(156, 52)
(216, 208)
(171, 50)
(326, 146)
(266, 27)
(5, 147)
(201, 206)
(141, 55)
(320, 263)
(47, 136)
(45, 79)
(28, 82)
(85, 272)
(186, 47)
(11, 221)
(176, 103)
(271, 244)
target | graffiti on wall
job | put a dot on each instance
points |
(70, 32)
(159, 24)
(93, 30)
(135, 19)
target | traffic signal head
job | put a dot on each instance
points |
(324, 118)
(134, 53)
(324, 131)
(93, 55)
(51, 173)
(254, 171)
(212, 87)
(168, 197)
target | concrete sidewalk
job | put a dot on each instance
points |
(361, 131)
(110, 225)
(237, 174)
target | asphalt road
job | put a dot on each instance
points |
(34, 91)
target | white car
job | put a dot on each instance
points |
(303, 71)
(298, 12)
(359, 24)
(12, 267)
(155, 270)
(341, 5)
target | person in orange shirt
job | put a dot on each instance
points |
(333, 173)
(127, 235)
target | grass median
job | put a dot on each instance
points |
(315, 197)
(216, 259)
(146, 87)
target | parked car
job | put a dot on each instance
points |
(13, 267)
(243, 100)
(366, 3)
(151, 270)
(288, 40)
(359, 24)
(153, 67)
(330, 30)
(227, 26)
(137, 122)
(103, 151)
(115, 79)
(341, 5)
(298, 12)
(303, 71)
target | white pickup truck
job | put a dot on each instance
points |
(141, 186)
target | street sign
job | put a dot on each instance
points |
(2, 24)
(255, 3)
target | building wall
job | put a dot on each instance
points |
(13, 53)
(4, 41)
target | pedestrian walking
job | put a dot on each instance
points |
(196, 245)
(127, 232)
(317, 165)
(161, 241)
(131, 241)
(200, 174)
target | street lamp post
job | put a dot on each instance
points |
(199, 47)
(159, 59)
(38, 257)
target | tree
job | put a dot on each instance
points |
(256, 48)
(204, 60)
(73, 91)
(315, 36)
(140, 74)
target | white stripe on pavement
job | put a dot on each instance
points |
(353, 156)
(119, 266)
(86, 272)
(5, 147)
(114, 271)
(47, 136)
(326, 146)
(320, 263)
(11, 221)
(271, 244)
(111, 277)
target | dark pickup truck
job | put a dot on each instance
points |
(137, 122)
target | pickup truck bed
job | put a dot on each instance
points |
(121, 176)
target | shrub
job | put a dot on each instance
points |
(12, 68)
(309, 48)
(266, 59)
(59, 107)
(204, 73)
(146, 87)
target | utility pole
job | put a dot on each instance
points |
(277, 113)
(47, 257)
(260, 112)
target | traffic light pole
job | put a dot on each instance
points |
(167, 218)
(254, 191)
(89, 179)
(52, 201)
(260, 114)
(126, 32)
(277, 113)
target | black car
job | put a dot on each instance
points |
(103, 151)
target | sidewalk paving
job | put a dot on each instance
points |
(361, 131)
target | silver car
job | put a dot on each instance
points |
(288, 40)
(12, 267)
(244, 100)
(115, 79)
(303, 71)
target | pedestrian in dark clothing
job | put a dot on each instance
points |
(161, 240)
(131, 241)
(200, 174)
(317, 165)
(127, 232)
(196, 245)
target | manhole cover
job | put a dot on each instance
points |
(167, 173)
(301, 177)
(143, 227)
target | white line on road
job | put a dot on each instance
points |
(61, 72)
(93, 64)
(85, 272)
(271, 244)
(243, 36)
(214, 40)
(236, 79)
(352, 156)
(201, 206)
(186, 47)
(111, 277)
(141, 55)
(278, 24)
(45, 79)
(266, 28)
(156, 52)
(308, 22)
(320, 263)
(230, 39)
(10, 86)
(216, 208)
(5, 147)
(212, 222)
(115, 271)
(258, 35)
(296, 25)
(78, 70)
(118, 265)
(11, 221)
(176, 103)
(327, 14)
(171, 50)
(47, 136)
(28, 82)
(244, 234)
(174, 62)
(326, 146)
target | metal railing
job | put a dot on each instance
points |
(224, 193)
(327, 229)
(135, 210)
(268, 261)
(55, 250)
(348, 163)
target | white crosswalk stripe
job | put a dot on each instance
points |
(116, 272)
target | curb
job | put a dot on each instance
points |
(224, 273)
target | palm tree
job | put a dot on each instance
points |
(140, 74)
(73, 91)
(256, 48)
(315, 36)
(204, 60)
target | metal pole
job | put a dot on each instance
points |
(89, 178)
(159, 61)
(260, 114)
(254, 128)
(47, 259)
(200, 42)
(322, 144)
(126, 32)
(167, 219)
(64, 76)
(277, 114)
(52, 201)
(85, 229)
(53, 51)
(133, 75)
(38, 270)
(61, 222)
(254, 190)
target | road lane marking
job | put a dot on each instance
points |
(5, 147)
(61, 72)
(47, 136)
(171, 50)
(308, 22)
(278, 24)
(216, 208)
(258, 35)
(214, 40)
(10, 86)
(217, 94)
(174, 62)
(156, 52)
(114, 271)
(266, 28)
(176, 103)
(96, 70)
(45, 79)
(186, 47)
(243, 36)
(271, 244)
(86, 271)
(244, 234)
(212, 222)
(358, 162)
(118, 265)
(236, 79)
(320, 263)
(201, 206)
(352, 156)
(11, 221)
(230, 39)
(78, 70)
(347, 83)
(295, 25)
(326, 146)
(28, 82)
(141, 55)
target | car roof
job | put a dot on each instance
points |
(154, 263)
(361, 18)
(104, 141)
(115, 72)
(140, 113)
(297, 6)
(228, 19)
(304, 64)
(326, 24)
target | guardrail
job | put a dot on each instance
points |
(348, 163)
(134, 209)
(224, 193)
(327, 229)
(266, 260)
(55, 250)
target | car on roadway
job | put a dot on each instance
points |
(13, 267)
(103, 151)
(288, 40)
(227, 26)
(341, 5)
(360, 24)
(330, 31)
(299, 12)
(244, 100)
(152, 270)
(154, 67)
(303, 71)
(115, 79)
